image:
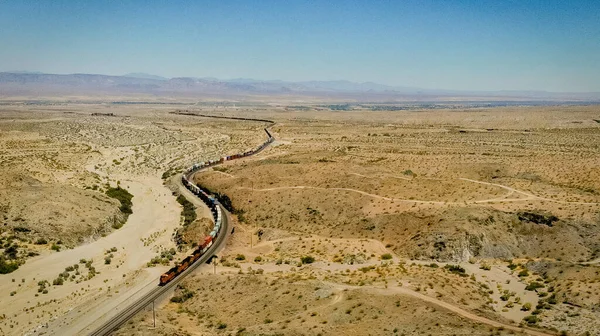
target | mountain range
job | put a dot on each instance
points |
(18, 83)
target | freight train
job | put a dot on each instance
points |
(213, 205)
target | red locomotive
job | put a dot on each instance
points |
(185, 263)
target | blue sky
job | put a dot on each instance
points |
(467, 45)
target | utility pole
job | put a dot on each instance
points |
(215, 264)
(153, 315)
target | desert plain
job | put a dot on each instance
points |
(465, 220)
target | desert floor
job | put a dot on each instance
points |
(462, 221)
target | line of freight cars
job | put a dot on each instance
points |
(198, 166)
(212, 204)
(187, 112)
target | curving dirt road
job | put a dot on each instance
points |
(502, 199)
(391, 290)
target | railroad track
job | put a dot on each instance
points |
(123, 316)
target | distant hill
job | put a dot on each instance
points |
(27, 72)
(144, 76)
(40, 84)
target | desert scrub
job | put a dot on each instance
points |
(164, 259)
(386, 256)
(185, 295)
(456, 270)
(122, 196)
(533, 286)
(526, 307)
(240, 257)
(6, 266)
(41, 241)
(408, 172)
(189, 210)
(170, 172)
(307, 260)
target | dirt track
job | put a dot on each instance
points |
(391, 290)
(529, 197)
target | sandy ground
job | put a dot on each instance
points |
(70, 307)
(154, 211)
(402, 287)
(498, 278)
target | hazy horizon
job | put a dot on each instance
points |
(463, 45)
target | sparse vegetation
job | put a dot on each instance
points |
(183, 295)
(123, 196)
(531, 319)
(386, 256)
(347, 196)
(7, 266)
(189, 210)
(164, 258)
(307, 260)
(534, 286)
(456, 269)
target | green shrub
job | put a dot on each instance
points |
(12, 251)
(41, 241)
(122, 196)
(307, 260)
(240, 257)
(189, 210)
(456, 269)
(184, 296)
(531, 319)
(167, 174)
(7, 267)
(386, 256)
(533, 286)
